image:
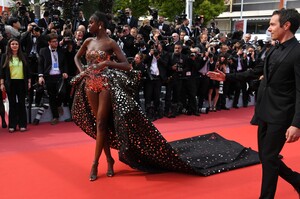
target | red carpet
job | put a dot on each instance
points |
(53, 162)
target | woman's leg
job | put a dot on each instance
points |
(101, 108)
(216, 98)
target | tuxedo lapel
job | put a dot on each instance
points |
(282, 57)
(266, 64)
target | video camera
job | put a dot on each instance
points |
(154, 13)
(121, 18)
(76, 8)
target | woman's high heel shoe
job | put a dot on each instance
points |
(110, 170)
(94, 172)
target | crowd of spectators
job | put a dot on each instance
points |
(168, 55)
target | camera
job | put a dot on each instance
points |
(121, 17)
(249, 54)
(179, 19)
(140, 44)
(179, 67)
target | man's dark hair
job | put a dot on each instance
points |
(52, 36)
(12, 20)
(291, 15)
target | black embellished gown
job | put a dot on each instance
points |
(140, 144)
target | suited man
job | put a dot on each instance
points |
(277, 109)
(52, 67)
(162, 27)
(80, 20)
(128, 42)
(240, 85)
(44, 22)
(184, 28)
(131, 20)
(31, 43)
(156, 73)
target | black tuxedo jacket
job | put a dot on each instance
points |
(133, 22)
(27, 43)
(186, 30)
(166, 29)
(45, 61)
(278, 98)
(161, 64)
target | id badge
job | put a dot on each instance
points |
(55, 66)
(188, 73)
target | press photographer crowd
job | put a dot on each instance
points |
(171, 57)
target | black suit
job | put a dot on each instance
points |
(133, 22)
(51, 81)
(153, 83)
(277, 108)
(166, 30)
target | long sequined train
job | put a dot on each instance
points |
(141, 145)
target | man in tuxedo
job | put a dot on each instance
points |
(162, 27)
(31, 42)
(131, 20)
(51, 69)
(185, 28)
(278, 102)
(44, 22)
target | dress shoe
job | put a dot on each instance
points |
(54, 121)
(23, 129)
(11, 130)
(4, 125)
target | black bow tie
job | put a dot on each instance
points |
(279, 45)
(53, 50)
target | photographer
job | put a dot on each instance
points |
(189, 83)
(130, 20)
(175, 68)
(31, 42)
(156, 73)
(43, 22)
(162, 26)
(128, 41)
(145, 29)
(12, 30)
(140, 44)
(79, 20)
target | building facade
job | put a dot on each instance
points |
(251, 16)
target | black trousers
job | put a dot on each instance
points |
(202, 90)
(188, 94)
(173, 91)
(52, 88)
(271, 139)
(16, 94)
(152, 91)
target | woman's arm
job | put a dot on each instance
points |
(80, 53)
(122, 63)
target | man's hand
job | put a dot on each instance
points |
(292, 134)
(216, 75)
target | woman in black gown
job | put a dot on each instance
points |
(105, 109)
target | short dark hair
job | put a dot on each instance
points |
(52, 36)
(12, 20)
(291, 15)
